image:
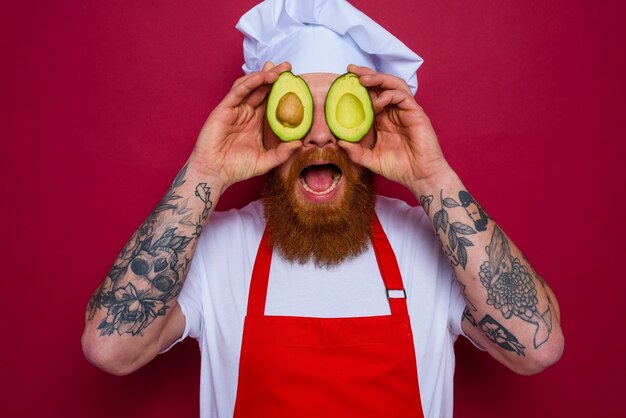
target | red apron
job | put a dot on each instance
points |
(300, 367)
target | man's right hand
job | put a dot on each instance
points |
(134, 314)
(230, 145)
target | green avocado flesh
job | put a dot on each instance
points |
(290, 107)
(349, 111)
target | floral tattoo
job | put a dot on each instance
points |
(511, 289)
(500, 335)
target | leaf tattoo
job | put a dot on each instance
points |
(167, 202)
(450, 203)
(456, 249)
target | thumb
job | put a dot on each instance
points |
(276, 156)
(357, 153)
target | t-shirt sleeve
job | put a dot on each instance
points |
(457, 306)
(190, 299)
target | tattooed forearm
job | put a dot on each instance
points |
(94, 303)
(456, 248)
(425, 202)
(474, 211)
(468, 303)
(495, 332)
(149, 271)
(203, 192)
(467, 316)
(511, 288)
(169, 200)
(499, 335)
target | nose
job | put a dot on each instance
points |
(319, 135)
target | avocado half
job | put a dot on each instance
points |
(290, 107)
(349, 110)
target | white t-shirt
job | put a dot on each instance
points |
(215, 296)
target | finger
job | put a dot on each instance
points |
(276, 156)
(244, 86)
(384, 82)
(360, 70)
(398, 98)
(358, 153)
(240, 91)
(267, 67)
(258, 96)
(282, 67)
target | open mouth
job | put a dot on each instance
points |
(320, 179)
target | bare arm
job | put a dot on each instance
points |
(133, 314)
(510, 310)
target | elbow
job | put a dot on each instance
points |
(106, 358)
(545, 356)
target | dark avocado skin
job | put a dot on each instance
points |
(349, 101)
(287, 83)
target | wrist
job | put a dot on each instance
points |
(203, 172)
(440, 177)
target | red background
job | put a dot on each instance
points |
(102, 104)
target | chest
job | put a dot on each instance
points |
(355, 288)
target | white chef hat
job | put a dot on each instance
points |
(322, 36)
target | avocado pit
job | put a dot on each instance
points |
(290, 111)
(289, 108)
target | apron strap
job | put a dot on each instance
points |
(389, 270)
(385, 257)
(260, 277)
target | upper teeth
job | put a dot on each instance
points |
(336, 178)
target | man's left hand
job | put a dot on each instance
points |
(406, 150)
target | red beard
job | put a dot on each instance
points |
(327, 233)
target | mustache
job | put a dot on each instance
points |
(333, 156)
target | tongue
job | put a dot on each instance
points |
(319, 178)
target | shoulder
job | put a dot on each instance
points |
(397, 215)
(248, 217)
(234, 226)
(409, 231)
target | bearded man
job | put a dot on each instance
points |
(322, 298)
